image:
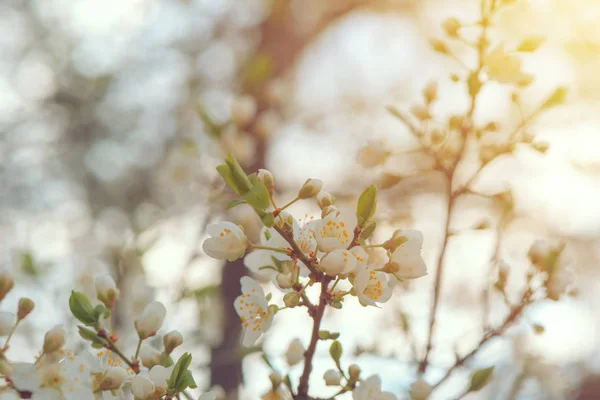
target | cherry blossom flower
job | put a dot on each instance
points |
(227, 241)
(254, 311)
(335, 231)
(370, 389)
(407, 257)
(372, 286)
(151, 320)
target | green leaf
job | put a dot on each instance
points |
(367, 204)
(213, 129)
(187, 381)
(530, 44)
(335, 350)
(268, 220)
(258, 196)
(235, 203)
(90, 336)
(367, 231)
(101, 311)
(82, 308)
(253, 178)
(480, 378)
(556, 98)
(238, 174)
(165, 360)
(178, 373)
(227, 176)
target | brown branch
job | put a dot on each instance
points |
(310, 351)
(310, 263)
(508, 321)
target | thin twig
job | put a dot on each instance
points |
(508, 321)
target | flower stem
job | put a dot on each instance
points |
(137, 350)
(289, 204)
(112, 346)
(275, 249)
(12, 331)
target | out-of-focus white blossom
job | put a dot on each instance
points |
(106, 290)
(295, 352)
(7, 322)
(332, 377)
(420, 390)
(142, 387)
(370, 389)
(373, 154)
(149, 356)
(227, 241)
(311, 188)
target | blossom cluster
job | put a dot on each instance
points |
(103, 371)
(334, 251)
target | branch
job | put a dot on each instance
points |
(310, 264)
(508, 321)
(310, 352)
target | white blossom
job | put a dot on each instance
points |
(335, 231)
(340, 261)
(332, 377)
(149, 356)
(151, 320)
(370, 389)
(106, 290)
(254, 311)
(372, 286)
(420, 390)
(54, 339)
(142, 387)
(227, 241)
(407, 256)
(295, 352)
(373, 154)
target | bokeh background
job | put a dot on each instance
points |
(114, 113)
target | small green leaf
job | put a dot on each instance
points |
(268, 220)
(101, 311)
(82, 308)
(439, 46)
(179, 370)
(367, 231)
(238, 174)
(235, 203)
(187, 381)
(530, 44)
(367, 204)
(556, 98)
(165, 360)
(90, 336)
(323, 335)
(480, 378)
(335, 350)
(227, 176)
(258, 196)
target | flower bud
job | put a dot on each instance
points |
(295, 352)
(325, 199)
(151, 320)
(503, 270)
(291, 299)
(398, 238)
(106, 290)
(6, 284)
(149, 356)
(310, 188)
(538, 252)
(332, 377)
(142, 387)
(420, 390)
(267, 179)
(372, 154)
(451, 27)
(54, 339)
(328, 210)
(391, 267)
(218, 392)
(113, 378)
(285, 281)
(275, 379)
(7, 322)
(243, 110)
(25, 307)
(172, 340)
(353, 372)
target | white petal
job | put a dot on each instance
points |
(250, 286)
(250, 337)
(216, 229)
